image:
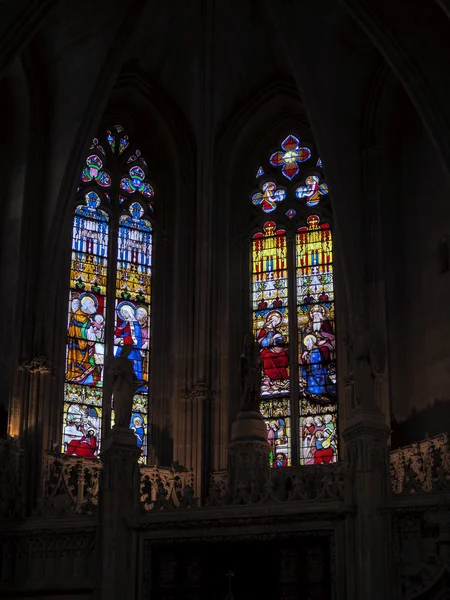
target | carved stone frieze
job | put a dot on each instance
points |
(421, 467)
(69, 487)
(38, 364)
(421, 546)
(37, 557)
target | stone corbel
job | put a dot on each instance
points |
(38, 364)
(198, 392)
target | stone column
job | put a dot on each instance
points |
(369, 529)
(119, 514)
(248, 457)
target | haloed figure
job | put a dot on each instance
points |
(274, 350)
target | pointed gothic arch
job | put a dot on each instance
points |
(292, 298)
(109, 290)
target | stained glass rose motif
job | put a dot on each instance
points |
(93, 172)
(136, 183)
(290, 157)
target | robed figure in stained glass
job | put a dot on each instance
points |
(129, 333)
(274, 349)
(321, 327)
(82, 336)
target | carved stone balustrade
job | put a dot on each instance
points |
(421, 467)
(313, 483)
(69, 486)
(166, 488)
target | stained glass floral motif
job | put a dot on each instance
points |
(93, 172)
(137, 156)
(136, 183)
(260, 172)
(290, 213)
(97, 146)
(269, 197)
(316, 343)
(312, 191)
(290, 157)
(111, 140)
(90, 288)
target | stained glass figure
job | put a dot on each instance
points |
(135, 183)
(290, 157)
(316, 342)
(312, 191)
(277, 418)
(260, 172)
(319, 162)
(93, 172)
(290, 213)
(133, 297)
(270, 312)
(269, 197)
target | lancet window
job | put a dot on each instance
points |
(293, 315)
(109, 299)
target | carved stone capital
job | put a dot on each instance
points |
(38, 364)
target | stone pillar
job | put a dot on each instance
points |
(248, 456)
(119, 514)
(368, 460)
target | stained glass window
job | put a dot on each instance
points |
(271, 329)
(123, 299)
(316, 342)
(293, 309)
(133, 297)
